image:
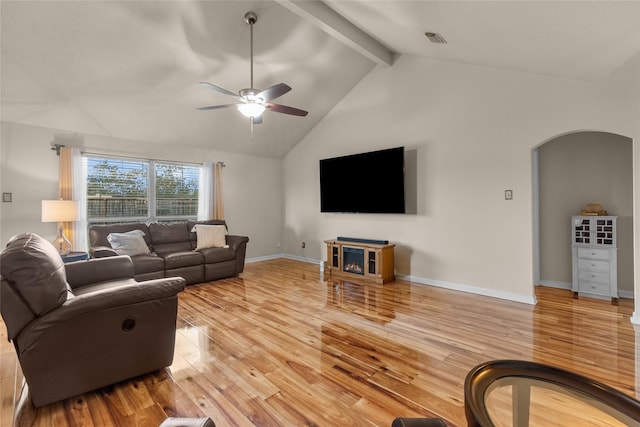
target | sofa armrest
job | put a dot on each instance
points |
(122, 293)
(99, 270)
(235, 242)
(102, 252)
(239, 246)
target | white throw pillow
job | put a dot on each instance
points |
(210, 236)
(129, 243)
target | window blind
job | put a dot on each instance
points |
(125, 190)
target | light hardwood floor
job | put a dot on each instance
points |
(280, 346)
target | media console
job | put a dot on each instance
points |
(361, 259)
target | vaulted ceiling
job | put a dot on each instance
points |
(129, 69)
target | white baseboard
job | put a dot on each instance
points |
(303, 259)
(563, 285)
(552, 284)
(626, 294)
(470, 289)
(262, 258)
(287, 256)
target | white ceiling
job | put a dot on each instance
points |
(130, 69)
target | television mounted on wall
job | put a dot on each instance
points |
(371, 182)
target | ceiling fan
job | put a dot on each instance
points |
(253, 102)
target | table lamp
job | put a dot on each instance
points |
(60, 211)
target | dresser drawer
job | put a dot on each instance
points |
(594, 276)
(591, 253)
(595, 288)
(593, 265)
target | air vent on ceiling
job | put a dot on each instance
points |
(435, 38)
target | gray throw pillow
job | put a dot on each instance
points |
(130, 243)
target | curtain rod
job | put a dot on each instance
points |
(58, 146)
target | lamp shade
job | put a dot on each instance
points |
(59, 210)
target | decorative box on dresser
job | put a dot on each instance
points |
(594, 255)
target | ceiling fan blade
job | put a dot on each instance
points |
(256, 120)
(274, 91)
(219, 89)
(217, 107)
(286, 110)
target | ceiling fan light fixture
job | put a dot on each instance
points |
(251, 109)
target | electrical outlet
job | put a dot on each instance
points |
(303, 245)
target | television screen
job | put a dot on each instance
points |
(370, 182)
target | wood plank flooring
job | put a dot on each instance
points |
(280, 346)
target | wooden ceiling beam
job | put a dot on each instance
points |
(321, 15)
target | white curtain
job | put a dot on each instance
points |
(218, 200)
(65, 185)
(205, 192)
(78, 176)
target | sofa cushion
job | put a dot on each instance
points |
(98, 233)
(213, 255)
(170, 238)
(130, 243)
(182, 259)
(210, 236)
(147, 264)
(35, 269)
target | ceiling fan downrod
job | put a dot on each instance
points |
(251, 18)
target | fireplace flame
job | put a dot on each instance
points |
(353, 268)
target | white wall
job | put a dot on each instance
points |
(474, 129)
(252, 185)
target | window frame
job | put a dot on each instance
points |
(151, 196)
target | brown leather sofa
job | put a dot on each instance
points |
(80, 326)
(172, 251)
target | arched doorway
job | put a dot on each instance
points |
(571, 170)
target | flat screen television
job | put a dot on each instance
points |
(371, 182)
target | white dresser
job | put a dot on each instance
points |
(594, 254)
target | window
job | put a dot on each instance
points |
(127, 190)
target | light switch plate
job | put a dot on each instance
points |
(508, 194)
(6, 197)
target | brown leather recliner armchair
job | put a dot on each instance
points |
(80, 326)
